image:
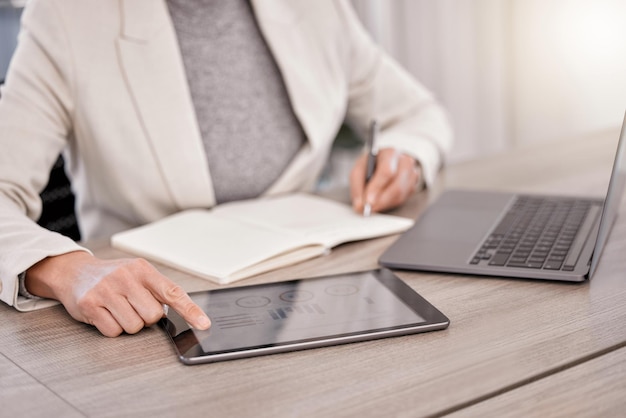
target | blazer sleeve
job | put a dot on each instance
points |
(35, 124)
(411, 119)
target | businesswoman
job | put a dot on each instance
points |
(162, 106)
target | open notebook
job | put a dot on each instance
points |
(241, 239)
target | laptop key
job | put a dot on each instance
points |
(499, 259)
(528, 264)
(553, 265)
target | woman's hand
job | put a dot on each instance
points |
(396, 177)
(115, 296)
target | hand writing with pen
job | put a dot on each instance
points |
(382, 179)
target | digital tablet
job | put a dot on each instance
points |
(299, 314)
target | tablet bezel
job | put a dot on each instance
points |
(189, 349)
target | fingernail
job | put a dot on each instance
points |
(367, 210)
(203, 322)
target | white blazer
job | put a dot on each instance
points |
(104, 81)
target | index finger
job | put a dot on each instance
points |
(357, 183)
(386, 170)
(171, 294)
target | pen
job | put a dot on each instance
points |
(371, 160)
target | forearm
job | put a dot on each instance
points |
(23, 243)
(410, 118)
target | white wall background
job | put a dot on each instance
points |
(511, 72)
(9, 27)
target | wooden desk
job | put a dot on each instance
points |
(508, 341)
(594, 388)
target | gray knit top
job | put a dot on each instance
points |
(248, 127)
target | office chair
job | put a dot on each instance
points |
(58, 203)
(58, 213)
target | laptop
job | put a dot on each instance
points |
(512, 235)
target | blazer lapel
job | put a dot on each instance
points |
(316, 95)
(151, 61)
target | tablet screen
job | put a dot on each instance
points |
(283, 316)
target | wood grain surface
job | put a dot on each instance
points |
(594, 388)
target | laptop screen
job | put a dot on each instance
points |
(613, 199)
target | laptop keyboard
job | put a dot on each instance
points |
(538, 233)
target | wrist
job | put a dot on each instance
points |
(49, 277)
(23, 291)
